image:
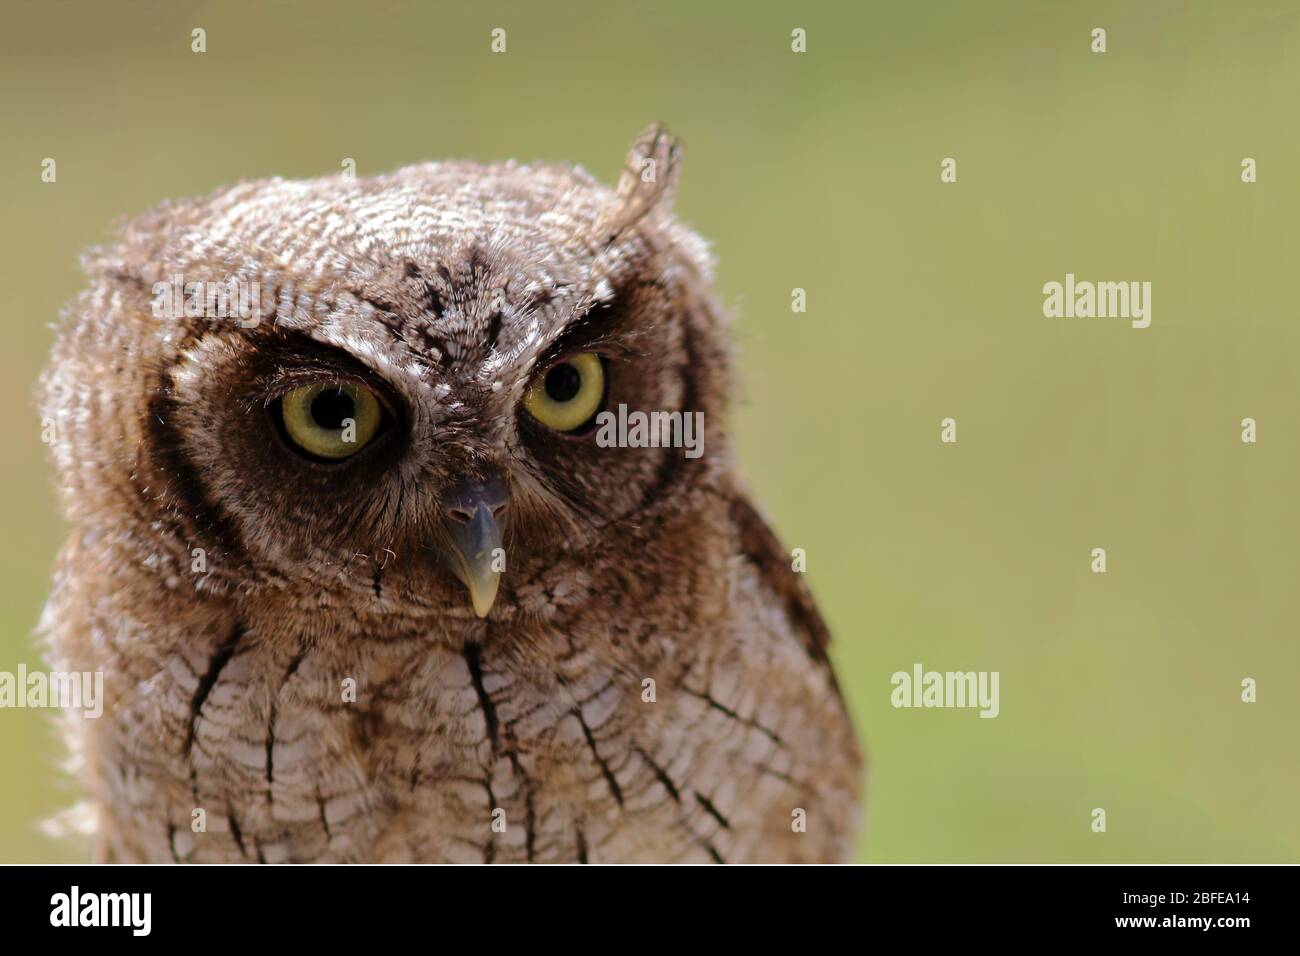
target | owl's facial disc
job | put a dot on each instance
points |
(473, 513)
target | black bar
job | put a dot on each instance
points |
(871, 903)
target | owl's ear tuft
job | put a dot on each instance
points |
(648, 180)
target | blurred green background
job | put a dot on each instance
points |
(821, 171)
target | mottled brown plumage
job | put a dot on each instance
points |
(232, 590)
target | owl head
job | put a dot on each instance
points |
(383, 393)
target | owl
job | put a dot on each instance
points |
(389, 546)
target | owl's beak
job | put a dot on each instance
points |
(474, 512)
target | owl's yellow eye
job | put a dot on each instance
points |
(332, 420)
(569, 394)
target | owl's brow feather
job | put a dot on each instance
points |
(607, 324)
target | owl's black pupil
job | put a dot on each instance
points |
(330, 407)
(563, 382)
